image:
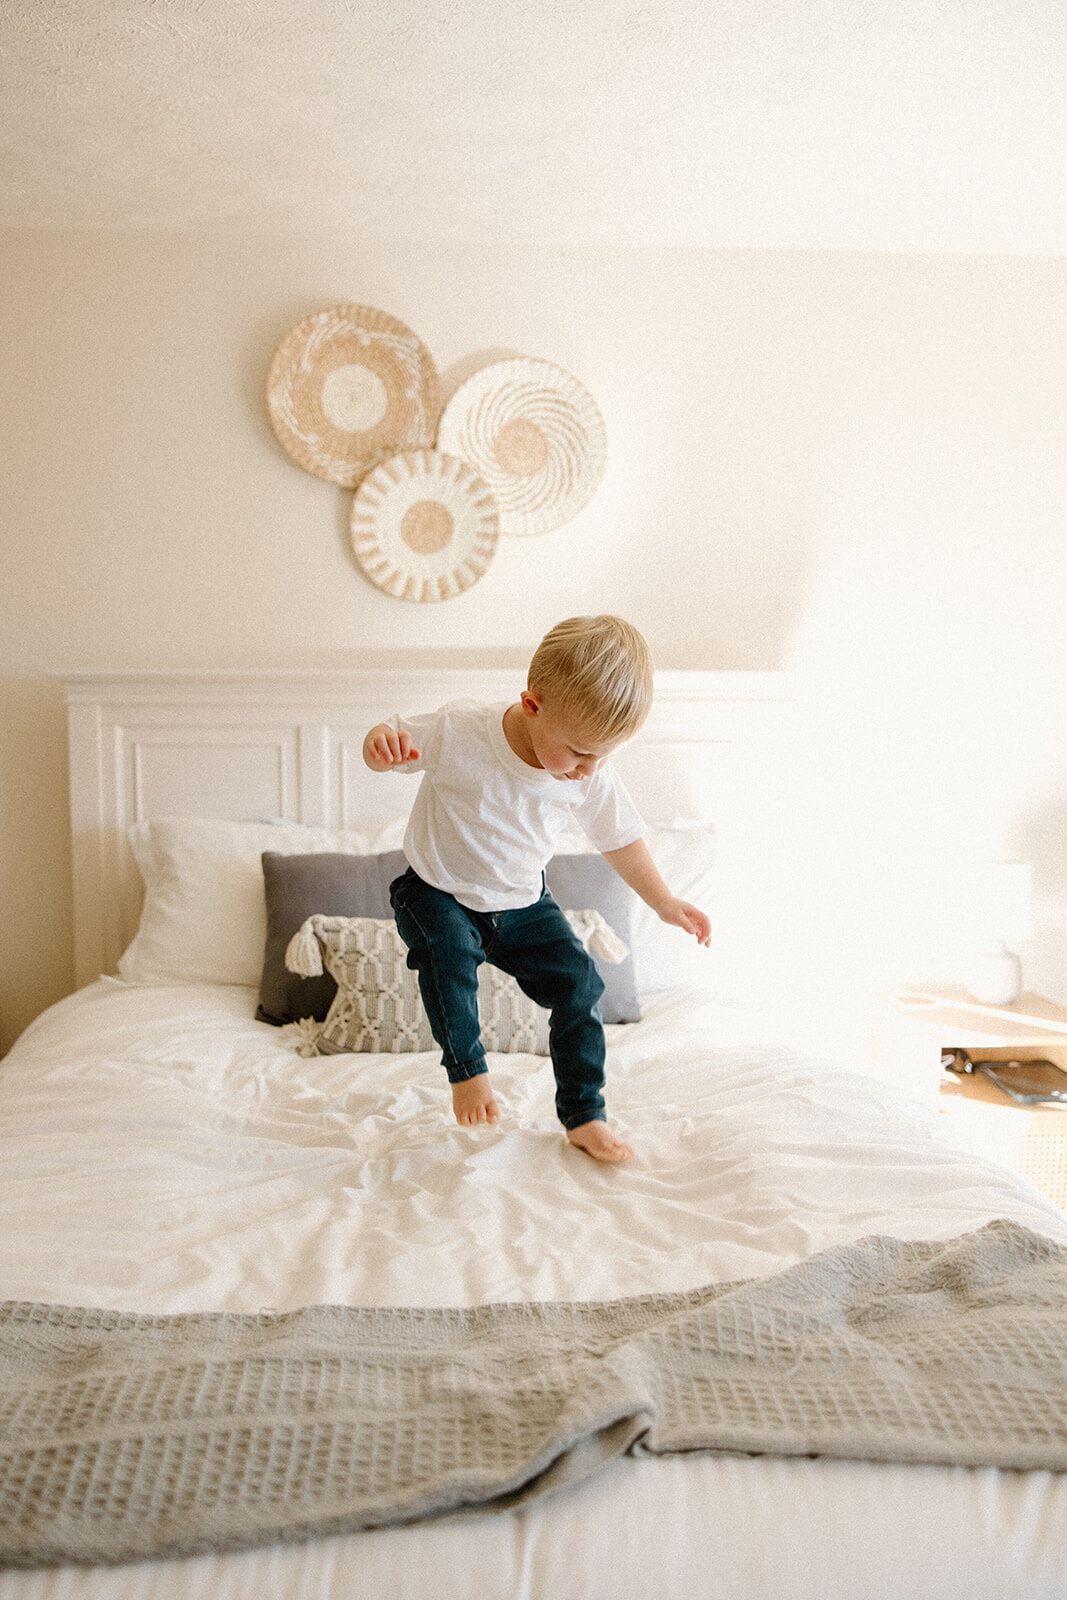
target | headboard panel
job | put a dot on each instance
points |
(246, 745)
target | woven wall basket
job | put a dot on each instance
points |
(424, 526)
(349, 387)
(536, 437)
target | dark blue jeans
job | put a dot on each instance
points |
(447, 943)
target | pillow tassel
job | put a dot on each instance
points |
(305, 1035)
(605, 942)
(302, 954)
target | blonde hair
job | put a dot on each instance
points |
(598, 670)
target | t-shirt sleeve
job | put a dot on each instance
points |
(607, 816)
(427, 734)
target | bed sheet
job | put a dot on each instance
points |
(162, 1151)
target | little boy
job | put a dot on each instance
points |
(501, 783)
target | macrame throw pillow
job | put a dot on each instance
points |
(378, 1006)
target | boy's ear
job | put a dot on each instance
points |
(531, 702)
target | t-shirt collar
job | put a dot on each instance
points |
(512, 763)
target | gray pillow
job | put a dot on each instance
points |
(298, 887)
(337, 885)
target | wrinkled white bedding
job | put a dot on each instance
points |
(162, 1151)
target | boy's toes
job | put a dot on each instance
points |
(473, 1102)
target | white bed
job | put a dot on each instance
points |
(162, 1151)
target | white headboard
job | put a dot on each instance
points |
(248, 745)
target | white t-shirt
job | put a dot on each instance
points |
(484, 824)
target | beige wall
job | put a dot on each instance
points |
(851, 466)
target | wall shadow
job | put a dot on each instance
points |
(37, 927)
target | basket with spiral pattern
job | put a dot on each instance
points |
(534, 435)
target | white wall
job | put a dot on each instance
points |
(848, 465)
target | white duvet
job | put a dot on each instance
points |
(161, 1151)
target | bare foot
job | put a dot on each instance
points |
(598, 1141)
(474, 1103)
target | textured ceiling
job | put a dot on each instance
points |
(907, 124)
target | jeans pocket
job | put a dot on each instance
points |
(396, 891)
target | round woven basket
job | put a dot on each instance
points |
(536, 437)
(424, 526)
(348, 387)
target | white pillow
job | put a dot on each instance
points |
(667, 957)
(204, 917)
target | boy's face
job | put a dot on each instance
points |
(559, 743)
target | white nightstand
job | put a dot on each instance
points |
(914, 1028)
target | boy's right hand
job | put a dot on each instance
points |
(384, 748)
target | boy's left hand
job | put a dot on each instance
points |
(680, 914)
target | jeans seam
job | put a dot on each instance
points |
(477, 1064)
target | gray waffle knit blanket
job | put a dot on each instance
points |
(125, 1436)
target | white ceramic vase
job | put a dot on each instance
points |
(996, 976)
